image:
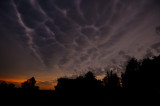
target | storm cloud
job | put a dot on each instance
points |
(59, 36)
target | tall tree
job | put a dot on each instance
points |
(130, 78)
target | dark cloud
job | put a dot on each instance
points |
(125, 55)
(48, 7)
(92, 50)
(158, 30)
(43, 33)
(65, 4)
(149, 53)
(114, 61)
(156, 47)
(50, 24)
(8, 19)
(82, 42)
(60, 36)
(84, 57)
(121, 53)
(64, 60)
(90, 33)
(30, 15)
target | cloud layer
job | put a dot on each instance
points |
(61, 36)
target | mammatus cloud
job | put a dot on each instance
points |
(28, 33)
(59, 36)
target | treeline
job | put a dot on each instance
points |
(137, 75)
(139, 83)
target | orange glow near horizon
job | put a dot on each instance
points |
(40, 82)
(18, 82)
(12, 80)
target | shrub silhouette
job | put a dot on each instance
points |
(11, 85)
(4, 85)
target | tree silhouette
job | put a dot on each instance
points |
(84, 88)
(11, 85)
(142, 75)
(142, 79)
(131, 76)
(90, 81)
(90, 76)
(30, 84)
(3, 84)
(150, 68)
(111, 80)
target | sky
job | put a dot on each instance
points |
(49, 39)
